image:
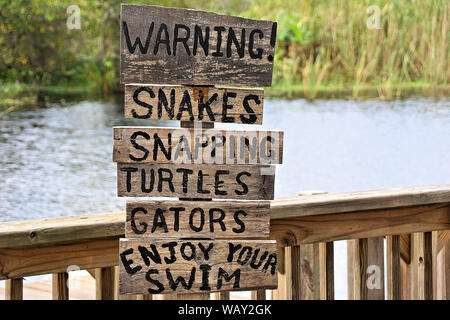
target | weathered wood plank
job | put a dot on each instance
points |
(24, 261)
(422, 266)
(259, 294)
(197, 146)
(34, 232)
(183, 46)
(357, 263)
(326, 269)
(14, 289)
(359, 201)
(204, 219)
(394, 274)
(242, 182)
(155, 266)
(60, 289)
(104, 283)
(375, 270)
(362, 224)
(190, 103)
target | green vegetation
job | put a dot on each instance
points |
(324, 47)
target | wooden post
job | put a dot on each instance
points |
(357, 257)
(14, 289)
(259, 294)
(280, 293)
(60, 288)
(222, 295)
(443, 266)
(394, 274)
(293, 273)
(326, 269)
(375, 271)
(104, 283)
(421, 266)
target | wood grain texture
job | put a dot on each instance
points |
(259, 294)
(14, 289)
(24, 261)
(422, 285)
(104, 283)
(359, 201)
(154, 266)
(197, 146)
(394, 275)
(326, 269)
(362, 224)
(60, 289)
(158, 59)
(357, 263)
(194, 103)
(375, 271)
(204, 219)
(242, 182)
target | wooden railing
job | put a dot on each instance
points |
(414, 221)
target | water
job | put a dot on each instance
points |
(57, 161)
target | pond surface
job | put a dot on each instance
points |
(57, 161)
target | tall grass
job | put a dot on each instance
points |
(327, 43)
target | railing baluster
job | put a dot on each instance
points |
(375, 271)
(259, 294)
(326, 269)
(193, 296)
(357, 262)
(60, 288)
(222, 295)
(104, 283)
(445, 265)
(422, 266)
(280, 292)
(14, 289)
(394, 274)
(293, 273)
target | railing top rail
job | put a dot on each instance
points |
(32, 232)
(359, 201)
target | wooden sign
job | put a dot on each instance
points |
(183, 46)
(193, 266)
(187, 103)
(175, 145)
(201, 219)
(244, 182)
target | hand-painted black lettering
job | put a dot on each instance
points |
(159, 144)
(183, 40)
(206, 105)
(223, 274)
(205, 277)
(146, 254)
(251, 42)
(203, 40)
(206, 250)
(241, 183)
(239, 221)
(251, 113)
(202, 219)
(158, 284)
(162, 101)
(218, 52)
(159, 221)
(174, 284)
(143, 224)
(218, 220)
(253, 263)
(186, 173)
(144, 180)
(159, 41)
(137, 146)
(200, 183)
(231, 250)
(171, 246)
(192, 254)
(132, 48)
(271, 262)
(128, 170)
(185, 105)
(240, 47)
(218, 183)
(176, 217)
(167, 179)
(142, 103)
(226, 106)
(245, 250)
(128, 262)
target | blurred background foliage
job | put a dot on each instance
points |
(321, 43)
